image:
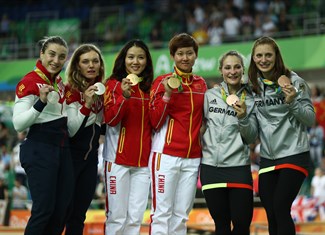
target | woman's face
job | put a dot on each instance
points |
(264, 58)
(89, 65)
(232, 70)
(184, 59)
(54, 57)
(135, 60)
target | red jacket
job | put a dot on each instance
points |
(177, 123)
(128, 132)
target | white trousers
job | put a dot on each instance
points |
(173, 187)
(127, 192)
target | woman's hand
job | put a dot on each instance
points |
(168, 90)
(126, 87)
(290, 93)
(44, 91)
(89, 96)
(240, 107)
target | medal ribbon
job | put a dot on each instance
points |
(45, 78)
(271, 84)
(180, 75)
(224, 95)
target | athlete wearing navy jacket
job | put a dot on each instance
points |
(85, 110)
(45, 154)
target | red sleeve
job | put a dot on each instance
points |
(158, 109)
(115, 104)
(72, 96)
(29, 85)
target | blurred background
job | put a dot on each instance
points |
(297, 25)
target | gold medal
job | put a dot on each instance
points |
(283, 81)
(173, 82)
(232, 99)
(134, 79)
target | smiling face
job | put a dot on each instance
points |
(264, 58)
(135, 60)
(184, 59)
(54, 57)
(89, 65)
(232, 71)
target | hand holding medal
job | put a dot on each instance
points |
(232, 99)
(173, 81)
(134, 79)
(53, 97)
(283, 81)
(288, 89)
(100, 88)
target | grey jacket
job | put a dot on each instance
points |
(283, 127)
(226, 138)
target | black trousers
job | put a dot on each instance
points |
(278, 189)
(85, 174)
(50, 179)
(231, 209)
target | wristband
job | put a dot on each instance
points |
(126, 97)
(166, 99)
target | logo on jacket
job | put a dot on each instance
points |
(270, 102)
(214, 101)
(228, 112)
(21, 89)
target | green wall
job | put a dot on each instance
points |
(303, 53)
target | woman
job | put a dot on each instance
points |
(284, 113)
(85, 110)
(225, 172)
(45, 154)
(176, 116)
(128, 139)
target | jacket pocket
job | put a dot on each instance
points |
(121, 142)
(170, 131)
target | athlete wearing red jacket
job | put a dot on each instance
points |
(179, 119)
(176, 116)
(127, 139)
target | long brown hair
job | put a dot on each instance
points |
(279, 67)
(74, 76)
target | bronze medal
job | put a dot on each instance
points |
(232, 99)
(283, 80)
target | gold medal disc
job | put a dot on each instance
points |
(173, 82)
(134, 79)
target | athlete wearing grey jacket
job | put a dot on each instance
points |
(225, 168)
(284, 112)
(225, 141)
(283, 127)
